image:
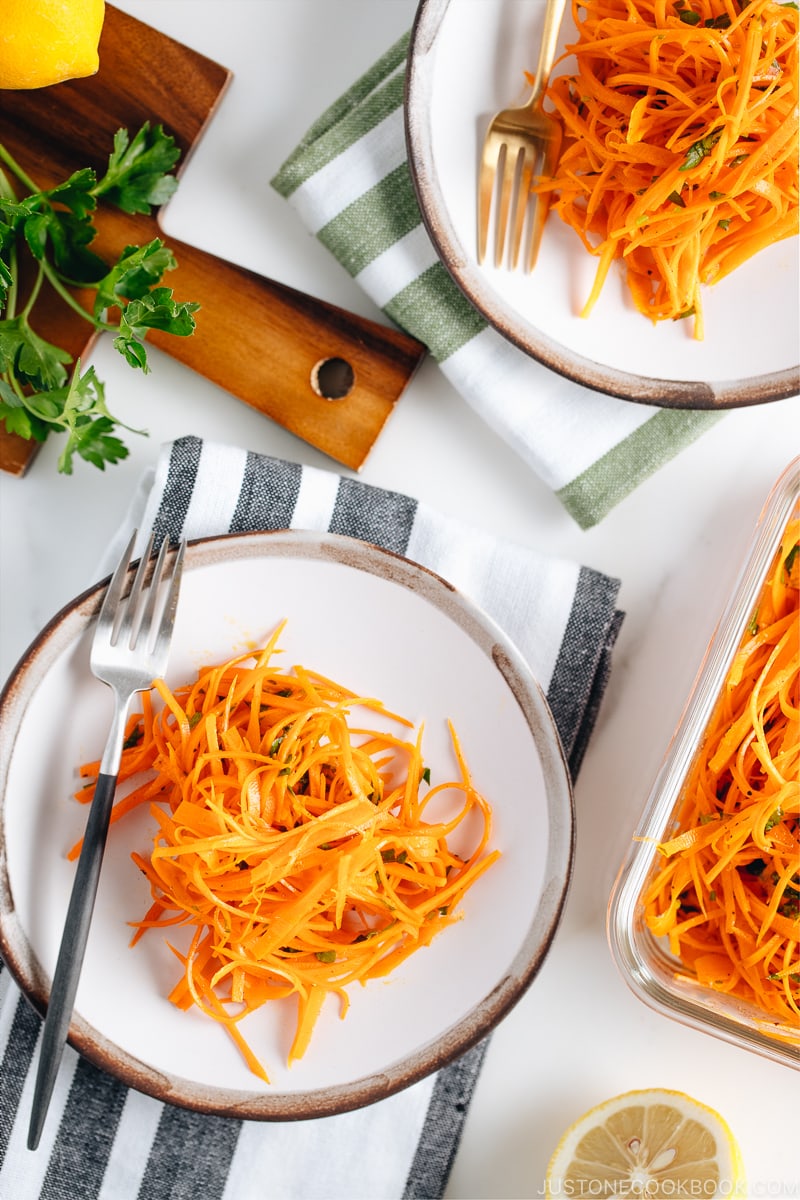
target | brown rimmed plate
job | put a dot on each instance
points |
(427, 653)
(466, 61)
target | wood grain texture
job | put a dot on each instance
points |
(256, 338)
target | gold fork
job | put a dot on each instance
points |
(516, 142)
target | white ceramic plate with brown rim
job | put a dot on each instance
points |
(382, 626)
(467, 60)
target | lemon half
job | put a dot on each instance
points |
(47, 41)
(653, 1144)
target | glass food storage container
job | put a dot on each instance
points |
(658, 972)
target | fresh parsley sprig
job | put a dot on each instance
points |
(41, 389)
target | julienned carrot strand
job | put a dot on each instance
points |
(293, 842)
(727, 895)
(680, 157)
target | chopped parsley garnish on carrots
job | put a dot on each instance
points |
(699, 149)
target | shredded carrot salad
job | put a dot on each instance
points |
(728, 895)
(298, 847)
(680, 155)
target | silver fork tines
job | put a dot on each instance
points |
(130, 649)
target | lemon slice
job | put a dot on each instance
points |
(653, 1144)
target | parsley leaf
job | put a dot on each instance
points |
(68, 237)
(137, 176)
(699, 149)
(137, 269)
(155, 310)
(16, 418)
(29, 356)
(87, 422)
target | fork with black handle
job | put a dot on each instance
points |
(130, 649)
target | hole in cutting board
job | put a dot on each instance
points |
(333, 378)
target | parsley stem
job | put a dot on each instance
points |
(26, 311)
(54, 280)
(12, 381)
(17, 170)
(7, 193)
(6, 190)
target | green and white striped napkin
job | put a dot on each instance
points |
(350, 183)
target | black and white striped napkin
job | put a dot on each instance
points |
(107, 1142)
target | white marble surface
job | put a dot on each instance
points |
(579, 1035)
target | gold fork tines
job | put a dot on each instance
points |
(522, 145)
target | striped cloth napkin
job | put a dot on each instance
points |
(350, 183)
(106, 1142)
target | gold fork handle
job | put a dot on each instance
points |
(553, 13)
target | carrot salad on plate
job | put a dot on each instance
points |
(304, 851)
(680, 158)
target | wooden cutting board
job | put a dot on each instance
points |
(258, 339)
